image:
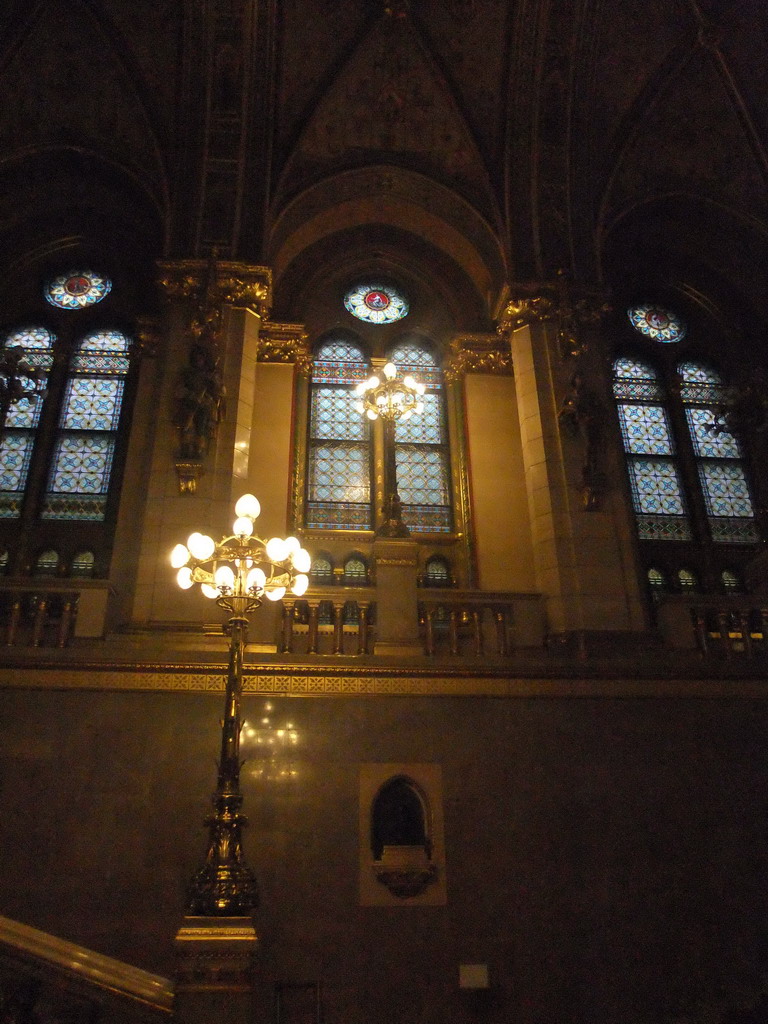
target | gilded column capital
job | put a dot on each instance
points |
(571, 307)
(285, 343)
(478, 353)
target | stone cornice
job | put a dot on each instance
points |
(218, 282)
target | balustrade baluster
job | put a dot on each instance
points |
(724, 628)
(314, 615)
(289, 615)
(453, 630)
(41, 612)
(338, 627)
(500, 618)
(477, 631)
(699, 618)
(13, 622)
(429, 631)
(362, 627)
(67, 616)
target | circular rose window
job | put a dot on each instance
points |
(77, 289)
(376, 303)
(656, 323)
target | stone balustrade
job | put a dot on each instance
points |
(728, 625)
(50, 612)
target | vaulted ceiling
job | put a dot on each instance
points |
(622, 141)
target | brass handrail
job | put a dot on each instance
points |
(84, 966)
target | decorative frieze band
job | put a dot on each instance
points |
(285, 343)
(478, 353)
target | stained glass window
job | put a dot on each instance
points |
(657, 493)
(719, 459)
(355, 572)
(376, 303)
(81, 466)
(36, 344)
(421, 447)
(321, 570)
(82, 564)
(437, 572)
(47, 563)
(77, 289)
(339, 460)
(657, 323)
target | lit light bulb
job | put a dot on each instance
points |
(372, 382)
(302, 560)
(276, 550)
(420, 388)
(389, 371)
(184, 578)
(292, 544)
(419, 407)
(406, 415)
(277, 594)
(409, 382)
(201, 546)
(361, 388)
(248, 505)
(224, 578)
(371, 414)
(243, 526)
(255, 580)
(179, 556)
(300, 585)
(359, 407)
(210, 591)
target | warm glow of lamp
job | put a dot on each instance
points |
(184, 578)
(243, 526)
(277, 594)
(200, 546)
(300, 585)
(302, 560)
(179, 556)
(248, 505)
(224, 578)
(276, 549)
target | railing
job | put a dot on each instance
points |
(50, 612)
(42, 972)
(728, 626)
(468, 623)
(333, 620)
(474, 623)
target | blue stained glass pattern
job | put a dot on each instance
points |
(81, 464)
(422, 475)
(339, 473)
(15, 455)
(645, 430)
(413, 358)
(657, 323)
(700, 384)
(708, 442)
(726, 492)
(656, 487)
(92, 403)
(31, 338)
(77, 289)
(339, 362)
(635, 381)
(425, 428)
(333, 415)
(376, 303)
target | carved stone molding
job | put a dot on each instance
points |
(570, 307)
(285, 343)
(478, 353)
(218, 282)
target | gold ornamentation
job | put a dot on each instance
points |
(478, 353)
(582, 416)
(146, 337)
(285, 343)
(220, 282)
(188, 474)
(560, 302)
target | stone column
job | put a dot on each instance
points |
(397, 609)
(203, 415)
(580, 525)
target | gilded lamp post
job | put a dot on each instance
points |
(237, 573)
(394, 399)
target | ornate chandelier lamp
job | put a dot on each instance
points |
(237, 573)
(393, 399)
(18, 379)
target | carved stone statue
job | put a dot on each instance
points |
(201, 403)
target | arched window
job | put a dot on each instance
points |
(321, 571)
(399, 817)
(654, 476)
(82, 564)
(719, 458)
(437, 572)
(355, 572)
(81, 466)
(23, 417)
(47, 563)
(58, 452)
(339, 458)
(421, 447)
